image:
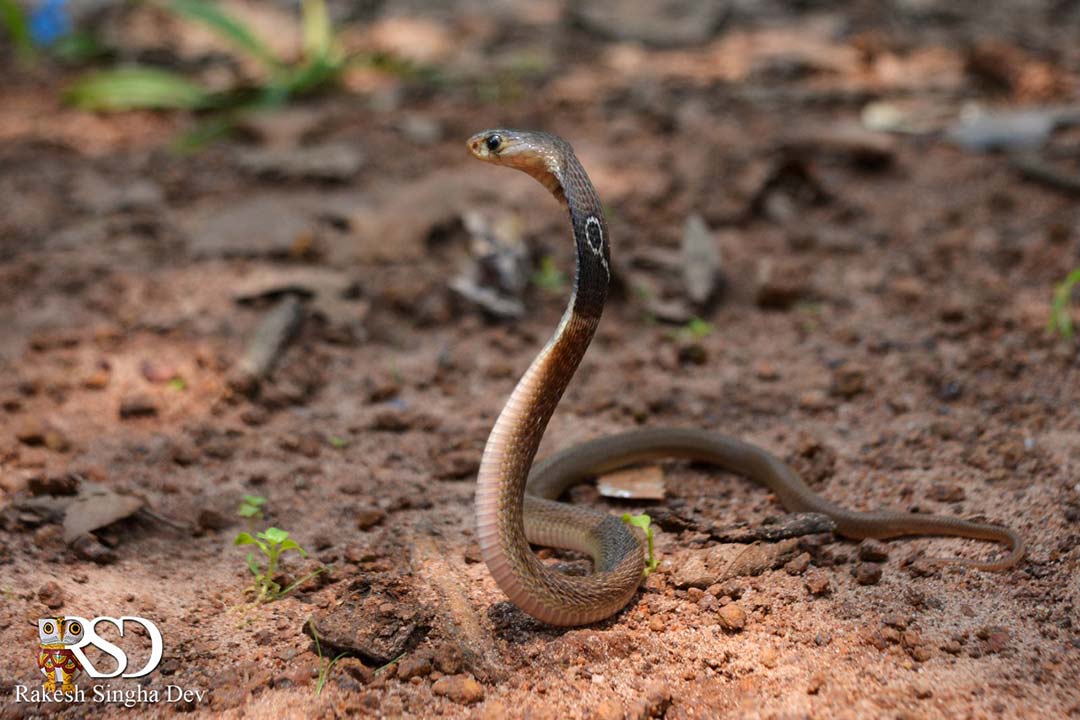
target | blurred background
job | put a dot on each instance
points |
(243, 250)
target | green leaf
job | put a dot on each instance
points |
(226, 27)
(256, 500)
(645, 523)
(248, 511)
(292, 545)
(548, 276)
(697, 329)
(274, 535)
(138, 88)
(1060, 319)
(14, 20)
(245, 539)
(252, 565)
(318, 33)
(177, 383)
(338, 442)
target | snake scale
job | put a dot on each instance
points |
(516, 502)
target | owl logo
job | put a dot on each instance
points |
(55, 657)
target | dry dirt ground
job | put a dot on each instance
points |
(881, 326)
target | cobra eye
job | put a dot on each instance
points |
(74, 628)
(493, 142)
(47, 627)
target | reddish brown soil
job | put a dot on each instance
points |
(911, 368)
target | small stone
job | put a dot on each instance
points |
(996, 639)
(942, 492)
(799, 565)
(818, 583)
(369, 517)
(872, 550)
(765, 372)
(213, 520)
(448, 660)
(656, 623)
(55, 485)
(867, 573)
(732, 617)
(137, 406)
(694, 594)
(51, 594)
(896, 620)
(657, 698)
(88, 547)
(494, 710)
(921, 653)
(461, 689)
(778, 288)
(770, 656)
(609, 710)
(97, 380)
(414, 666)
(952, 646)
(848, 381)
(816, 683)
(814, 401)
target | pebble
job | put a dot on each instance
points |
(55, 485)
(818, 583)
(137, 406)
(494, 710)
(609, 710)
(867, 573)
(657, 698)
(51, 594)
(369, 517)
(656, 623)
(732, 617)
(942, 492)
(896, 620)
(414, 666)
(461, 689)
(799, 565)
(814, 401)
(872, 550)
(769, 657)
(848, 380)
(88, 547)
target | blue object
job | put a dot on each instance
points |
(49, 22)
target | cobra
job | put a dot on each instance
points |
(516, 502)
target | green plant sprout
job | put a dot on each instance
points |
(321, 63)
(338, 443)
(697, 329)
(548, 276)
(14, 20)
(1060, 321)
(272, 543)
(324, 666)
(645, 523)
(251, 506)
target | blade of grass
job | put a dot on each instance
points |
(138, 88)
(226, 27)
(1060, 319)
(318, 32)
(14, 20)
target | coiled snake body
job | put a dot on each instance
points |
(515, 507)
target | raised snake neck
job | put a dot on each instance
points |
(514, 508)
